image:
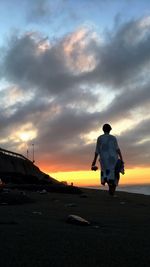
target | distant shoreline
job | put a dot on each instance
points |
(143, 189)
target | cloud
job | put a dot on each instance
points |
(136, 144)
(45, 12)
(38, 11)
(124, 56)
(58, 87)
(26, 64)
(55, 67)
(63, 138)
(127, 103)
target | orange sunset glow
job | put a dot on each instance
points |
(89, 178)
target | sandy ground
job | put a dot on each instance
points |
(37, 234)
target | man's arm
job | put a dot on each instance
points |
(95, 159)
(119, 153)
(118, 149)
(95, 155)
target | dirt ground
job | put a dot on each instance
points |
(35, 231)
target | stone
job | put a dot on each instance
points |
(75, 219)
(43, 191)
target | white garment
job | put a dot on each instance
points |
(107, 147)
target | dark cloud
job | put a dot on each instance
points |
(27, 65)
(123, 57)
(136, 144)
(68, 125)
(126, 102)
(46, 12)
(64, 144)
(38, 11)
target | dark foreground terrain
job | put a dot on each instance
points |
(34, 232)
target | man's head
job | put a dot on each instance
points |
(107, 128)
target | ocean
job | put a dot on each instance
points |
(139, 189)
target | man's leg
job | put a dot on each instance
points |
(112, 188)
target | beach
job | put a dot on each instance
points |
(38, 234)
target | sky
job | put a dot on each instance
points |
(66, 68)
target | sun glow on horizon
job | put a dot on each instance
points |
(89, 178)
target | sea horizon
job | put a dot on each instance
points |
(133, 188)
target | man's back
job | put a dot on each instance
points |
(107, 149)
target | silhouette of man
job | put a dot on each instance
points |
(109, 153)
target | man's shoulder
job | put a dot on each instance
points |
(98, 139)
(103, 136)
(112, 136)
(113, 139)
(100, 136)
